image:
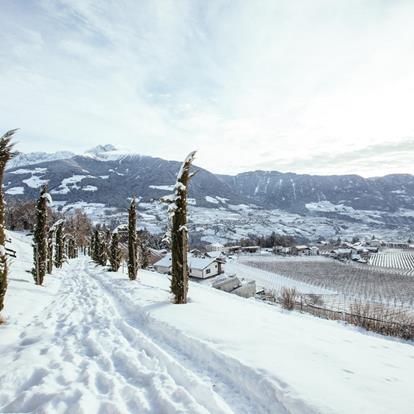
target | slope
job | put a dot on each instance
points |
(105, 344)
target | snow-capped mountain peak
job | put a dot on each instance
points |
(108, 152)
(99, 149)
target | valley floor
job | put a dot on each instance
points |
(92, 341)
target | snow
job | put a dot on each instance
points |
(272, 281)
(48, 198)
(24, 159)
(15, 191)
(162, 187)
(26, 171)
(108, 152)
(70, 183)
(92, 341)
(35, 182)
(222, 199)
(211, 200)
(90, 188)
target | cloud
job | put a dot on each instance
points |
(275, 85)
(373, 160)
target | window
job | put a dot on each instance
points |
(208, 271)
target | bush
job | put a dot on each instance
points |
(288, 298)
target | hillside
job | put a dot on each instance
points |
(103, 179)
(97, 342)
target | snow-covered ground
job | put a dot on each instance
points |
(269, 280)
(91, 341)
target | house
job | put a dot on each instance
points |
(301, 250)
(342, 253)
(282, 250)
(232, 284)
(215, 247)
(314, 251)
(250, 249)
(398, 245)
(375, 243)
(199, 267)
(216, 255)
(232, 249)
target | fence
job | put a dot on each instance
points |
(373, 317)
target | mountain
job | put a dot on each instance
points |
(292, 192)
(37, 157)
(109, 176)
(103, 179)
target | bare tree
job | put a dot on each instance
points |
(79, 226)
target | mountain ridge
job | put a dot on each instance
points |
(107, 175)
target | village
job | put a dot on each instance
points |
(207, 264)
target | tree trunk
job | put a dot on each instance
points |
(40, 238)
(59, 246)
(50, 251)
(179, 233)
(115, 254)
(132, 241)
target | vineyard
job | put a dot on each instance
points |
(399, 260)
(368, 283)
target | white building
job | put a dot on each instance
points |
(199, 267)
(215, 247)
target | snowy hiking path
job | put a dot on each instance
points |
(91, 341)
(89, 351)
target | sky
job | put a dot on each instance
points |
(319, 87)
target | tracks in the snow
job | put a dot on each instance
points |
(92, 350)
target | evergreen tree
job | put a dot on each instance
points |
(59, 245)
(143, 251)
(179, 232)
(115, 253)
(71, 247)
(6, 153)
(40, 238)
(50, 236)
(96, 246)
(132, 241)
(101, 249)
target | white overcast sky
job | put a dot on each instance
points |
(315, 86)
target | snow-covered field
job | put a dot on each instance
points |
(271, 280)
(91, 341)
(402, 260)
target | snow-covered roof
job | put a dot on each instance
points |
(214, 254)
(343, 251)
(198, 263)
